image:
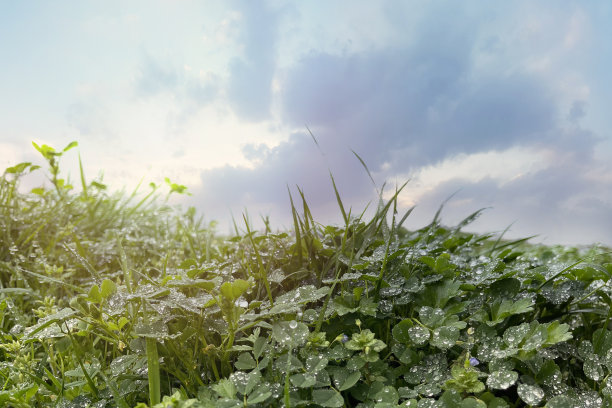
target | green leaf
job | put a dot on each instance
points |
(70, 146)
(233, 290)
(259, 346)
(602, 341)
(438, 294)
(445, 337)
(303, 380)
(557, 333)
(344, 305)
(431, 317)
(60, 316)
(429, 261)
(506, 308)
(505, 288)
(290, 334)
(18, 168)
(531, 394)
(472, 402)
(315, 363)
(225, 388)
(560, 401)
(327, 398)
(107, 288)
(502, 379)
(535, 338)
(245, 362)
(419, 335)
(94, 294)
(514, 335)
(387, 394)
(259, 395)
(367, 306)
(400, 331)
(343, 378)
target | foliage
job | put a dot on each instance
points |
(109, 300)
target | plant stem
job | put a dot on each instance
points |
(153, 372)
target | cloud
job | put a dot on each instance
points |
(263, 188)
(157, 76)
(420, 104)
(424, 106)
(249, 89)
(91, 118)
(567, 202)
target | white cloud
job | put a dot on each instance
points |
(500, 166)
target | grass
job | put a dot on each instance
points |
(108, 300)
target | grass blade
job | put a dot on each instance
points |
(153, 371)
(366, 168)
(338, 199)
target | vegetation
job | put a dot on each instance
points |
(108, 299)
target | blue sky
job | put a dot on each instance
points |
(506, 104)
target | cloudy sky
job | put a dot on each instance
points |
(506, 104)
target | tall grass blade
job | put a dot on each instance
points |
(82, 173)
(127, 276)
(338, 199)
(153, 371)
(315, 141)
(298, 235)
(262, 270)
(470, 218)
(501, 236)
(84, 262)
(366, 168)
(405, 216)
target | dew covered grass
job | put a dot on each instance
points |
(120, 300)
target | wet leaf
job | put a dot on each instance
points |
(225, 388)
(531, 394)
(290, 334)
(501, 380)
(327, 398)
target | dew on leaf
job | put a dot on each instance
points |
(531, 394)
(589, 399)
(418, 334)
(592, 369)
(502, 379)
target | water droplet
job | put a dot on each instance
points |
(502, 379)
(531, 394)
(419, 335)
(293, 324)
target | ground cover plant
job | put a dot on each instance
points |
(119, 300)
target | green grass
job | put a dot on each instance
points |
(116, 299)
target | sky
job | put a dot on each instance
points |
(501, 105)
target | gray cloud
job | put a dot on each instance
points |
(560, 204)
(157, 76)
(250, 85)
(296, 162)
(404, 107)
(422, 105)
